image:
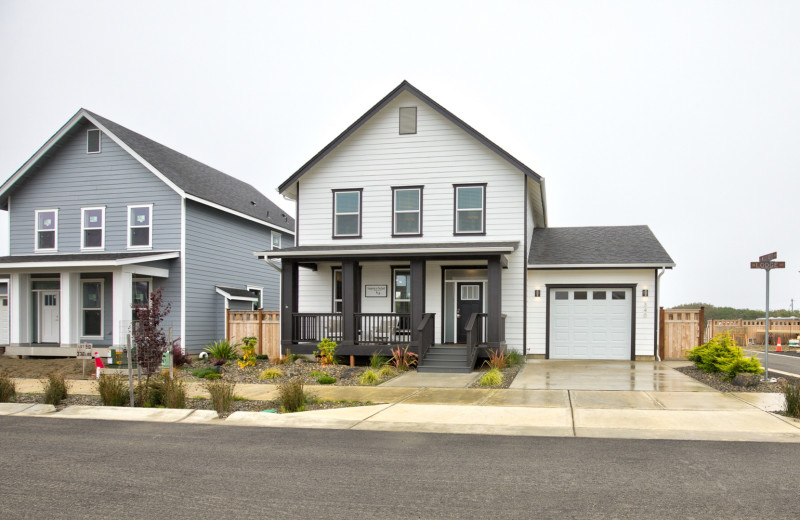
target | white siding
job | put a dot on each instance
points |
(646, 311)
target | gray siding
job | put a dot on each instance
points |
(171, 292)
(71, 179)
(219, 251)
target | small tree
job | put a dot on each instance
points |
(148, 336)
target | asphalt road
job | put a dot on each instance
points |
(61, 468)
(790, 364)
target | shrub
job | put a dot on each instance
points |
(148, 334)
(55, 388)
(113, 390)
(161, 392)
(326, 351)
(271, 373)
(497, 359)
(387, 371)
(262, 357)
(326, 380)
(8, 389)
(222, 350)
(178, 357)
(205, 373)
(377, 361)
(491, 378)
(513, 358)
(721, 354)
(369, 377)
(292, 396)
(317, 373)
(248, 352)
(221, 395)
(288, 358)
(791, 392)
(174, 393)
(213, 375)
(402, 359)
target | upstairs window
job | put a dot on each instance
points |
(407, 210)
(347, 214)
(140, 226)
(93, 141)
(276, 240)
(46, 230)
(470, 214)
(92, 228)
(408, 120)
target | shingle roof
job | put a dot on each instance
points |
(599, 245)
(234, 293)
(200, 180)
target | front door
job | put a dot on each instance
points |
(469, 300)
(49, 329)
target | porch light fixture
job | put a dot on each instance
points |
(645, 293)
(537, 293)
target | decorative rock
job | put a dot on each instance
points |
(746, 380)
(298, 361)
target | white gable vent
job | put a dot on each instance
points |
(408, 120)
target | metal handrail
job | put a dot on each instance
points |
(474, 333)
(426, 334)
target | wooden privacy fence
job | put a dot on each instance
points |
(264, 325)
(680, 331)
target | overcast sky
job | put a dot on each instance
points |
(684, 116)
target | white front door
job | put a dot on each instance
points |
(49, 328)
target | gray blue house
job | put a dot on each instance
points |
(100, 216)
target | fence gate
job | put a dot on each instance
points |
(261, 324)
(680, 331)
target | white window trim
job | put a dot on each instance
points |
(274, 234)
(129, 227)
(102, 313)
(36, 230)
(260, 291)
(418, 211)
(102, 245)
(99, 140)
(341, 213)
(482, 210)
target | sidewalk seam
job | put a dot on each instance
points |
(409, 396)
(572, 412)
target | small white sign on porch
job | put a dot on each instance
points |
(375, 291)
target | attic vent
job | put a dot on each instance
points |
(408, 120)
(93, 141)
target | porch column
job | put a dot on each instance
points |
(69, 311)
(121, 310)
(350, 293)
(417, 296)
(19, 319)
(289, 289)
(494, 305)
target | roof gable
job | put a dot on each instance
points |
(405, 86)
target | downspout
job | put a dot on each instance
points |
(657, 313)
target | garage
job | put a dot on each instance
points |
(590, 323)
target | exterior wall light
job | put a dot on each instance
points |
(537, 293)
(645, 293)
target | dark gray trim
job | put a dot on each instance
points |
(289, 293)
(494, 300)
(455, 209)
(394, 227)
(443, 284)
(333, 212)
(655, 313)
(417, 296)
(524, 268)
(405, 86)
(297, 216)
(631, 286)
(349, 280)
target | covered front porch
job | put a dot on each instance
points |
(379, 298)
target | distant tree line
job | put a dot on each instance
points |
(713, 312)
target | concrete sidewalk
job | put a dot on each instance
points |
(697, 415)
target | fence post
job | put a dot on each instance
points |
(702, 327)
(227, 325)
(260, 331)
(661, 333)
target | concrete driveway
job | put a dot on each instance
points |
(644, 376)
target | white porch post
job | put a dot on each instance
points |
(122, 292)
(70, 305)
(19, 292)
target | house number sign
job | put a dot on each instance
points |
(375, 291)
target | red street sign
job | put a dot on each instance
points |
(767, 265)
(767, 258)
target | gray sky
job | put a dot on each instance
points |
(681, 115)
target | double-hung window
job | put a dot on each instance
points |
(140, 226)
(347, 213)
(276, 240)
(92, 308)
(407, 211)
(92, 228)
(470, 209)
(46, 230)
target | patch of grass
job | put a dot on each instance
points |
(514, 358)
(271, 373)
(8, 389)
(221, 395)
(377, 361)
(791, 392)
(369, 377)
(491, 378)
(240, 398)
(326, 380)
(387, 371)
(55, 388)
(113, 390)
(292, 396)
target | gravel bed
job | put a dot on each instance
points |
(718, 381)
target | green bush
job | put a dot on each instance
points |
(377, 361)
(205, 373)
(212, 376)
(292, 395)
(8, 389)
(262, 357)
(161, 392)
(491, 378)
(513, 358)
(369, 377)
(387, 371)
(221, 395)
(326, 380)
(222, 349)
(791, 392)
(55, 388)
(113, 390)
(722, 354)
(271, 373)
(326, 351)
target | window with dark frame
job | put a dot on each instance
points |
(347, 213)
(470, 213)
(93, 141)
(407, 207)
(408, 120)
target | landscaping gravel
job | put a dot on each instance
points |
(719, 382)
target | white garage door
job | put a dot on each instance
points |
(590, 323)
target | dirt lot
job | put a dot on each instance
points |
(38, 368)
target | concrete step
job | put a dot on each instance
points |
(444, 368)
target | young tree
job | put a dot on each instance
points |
(148, 336)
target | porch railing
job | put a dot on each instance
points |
(312, 327)
(382, 328)
(427, 334)
(474, 329)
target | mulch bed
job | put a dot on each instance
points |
(719, 382)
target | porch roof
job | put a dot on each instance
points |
(84, 259)
(453, 250)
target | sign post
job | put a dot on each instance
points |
(767, 263)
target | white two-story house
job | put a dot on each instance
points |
(415, 229)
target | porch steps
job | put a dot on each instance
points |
(445, 358)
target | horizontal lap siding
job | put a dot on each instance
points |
(71, 179)
(646, 311)
(219, 251)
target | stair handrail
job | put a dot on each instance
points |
(426, 334)
(473, 337)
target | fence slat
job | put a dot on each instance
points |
(261, 324)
